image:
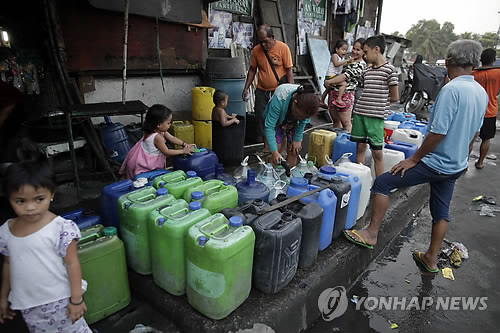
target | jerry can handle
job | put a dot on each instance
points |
(222, 227)
(183, 210)
(214, 189)
(177, 122)
(89, 238)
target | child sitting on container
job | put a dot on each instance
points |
(219, 113)
(41, 271)
(150, 152)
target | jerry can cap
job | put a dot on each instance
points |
(202, 240)
(138, 184)
(191, 173)
(328, 170)
(161, 191)
(195, 205)
(235, 221)
(310, 163)
(298, 181)
(197, 195)
(160, 221)
(109, 231)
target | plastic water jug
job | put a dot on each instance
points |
(177, 182)
(326, 199)
(407, 125)
(183, 130)
(342, 189)
(389, 127)
(151, 175)
(133, 211)
(203, 133)
(408, 136)
(410, 116)
(364, 174)
(398, 116)
(247, 211)
(311, 215)
(217, 195)
(168, 228)
(389, 115)
(241, 172)
(312, 169)
(277, 248)
(108, 201)
(219, 174)
(202, 161)
(202, 103)
(219, 258)
(407, 148)
(391, 158)
(352, 210)
(251, 189)
(279, 188)
(301, 168)
(268, 176)
(321, 144)
(115, 138)
(421, 127)
(103, 265)
(342, 145)
(83, 218)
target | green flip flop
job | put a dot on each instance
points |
(352, 240)
(417, 256)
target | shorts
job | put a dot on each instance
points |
(52, 317)
(442, 187)
(368, 130)
(488, 129)
(281, 133)
(347, 98)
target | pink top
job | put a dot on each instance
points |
(144, 156)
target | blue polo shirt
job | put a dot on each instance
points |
(458, 114)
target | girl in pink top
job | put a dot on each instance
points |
(150, 152)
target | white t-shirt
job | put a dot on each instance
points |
(332, 69)
(148, 145)
(37, 271)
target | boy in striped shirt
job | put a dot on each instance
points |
(380, 83)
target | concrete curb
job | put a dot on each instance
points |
(295, 308)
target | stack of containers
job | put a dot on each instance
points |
(177, 182)
(168, 228)
(133, 212)
(202, 105)
(83, 218)
(216, 195)
(408, 135)
(102, 260)
(108, 201)
(342, 145)
(219, 257)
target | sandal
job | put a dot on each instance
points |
(337, 104)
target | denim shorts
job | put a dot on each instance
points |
(441, 187)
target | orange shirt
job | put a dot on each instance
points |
(490, 80)
(281, 58)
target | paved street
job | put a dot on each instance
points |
(395, 273)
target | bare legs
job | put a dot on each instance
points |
(341, 119)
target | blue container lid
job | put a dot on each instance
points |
(195, 205)
(235, 221)
(160, 221)
(191, 173)
(197, 195)
(161, 191)
(202, 240)
(298, 181)
(329, 170)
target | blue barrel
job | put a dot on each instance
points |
(326, 199)
(233, 88)
(342, 145)
(115, 138)
(83, 218)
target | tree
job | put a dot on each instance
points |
(430, 39)
(489, 39)
(398, 34)
(469, 35)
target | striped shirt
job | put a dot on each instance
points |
(374, 100)
(353, 73)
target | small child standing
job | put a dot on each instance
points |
(380, 83)
(335, 68)
(150, 152)
(41, 271)
(219, 113)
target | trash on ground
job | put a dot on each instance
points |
(140, 328)
(455, 258)
(490, 163)
(336, 329)
(456, 245)
(354, 299)
(491, 157)
(485, 199)
(487, 210)
(448, 273)
(407, 281)
(393, 325)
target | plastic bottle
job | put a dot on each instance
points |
(268, 176)
(251, 189)
(312, 168)
(278, 188)
(241, 172)
(300, 169)
(343, 159)
(328, 161)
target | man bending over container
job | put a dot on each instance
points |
(454, 120)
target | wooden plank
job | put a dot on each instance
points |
(270, 13)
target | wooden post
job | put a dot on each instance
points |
(125, 42)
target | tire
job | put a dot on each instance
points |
(418, 103)
(405, 94)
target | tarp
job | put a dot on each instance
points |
(428, 79)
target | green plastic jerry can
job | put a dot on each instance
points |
(168, 228)
(216, 195)
(219, 256)
(103, 264)
(177, 182)
(133, 211)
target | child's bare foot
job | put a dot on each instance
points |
(339, 104)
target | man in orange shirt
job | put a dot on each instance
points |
(280, 56)
(489, 78)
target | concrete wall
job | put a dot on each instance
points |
(148, 89)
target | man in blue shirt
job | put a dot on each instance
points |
(455, 118)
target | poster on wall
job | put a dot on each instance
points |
(243, 34)
(220, 36)
(242, 7)
(307, 21)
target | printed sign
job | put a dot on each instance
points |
(243, 7)
(315, 9)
